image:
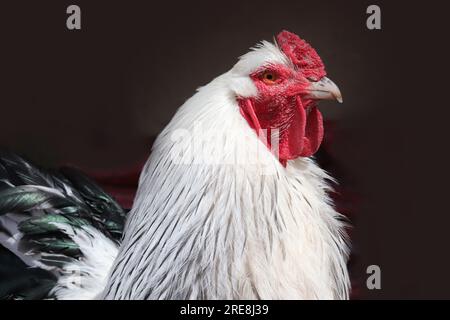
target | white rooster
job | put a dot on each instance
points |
(229, 206)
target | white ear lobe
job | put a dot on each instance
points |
(243, 87)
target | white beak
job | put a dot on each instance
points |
(324, 89)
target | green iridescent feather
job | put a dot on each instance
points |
(41, 201)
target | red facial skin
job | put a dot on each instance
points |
(281, 104)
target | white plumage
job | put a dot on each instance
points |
(217, 216)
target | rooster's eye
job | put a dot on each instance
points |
(269, 77)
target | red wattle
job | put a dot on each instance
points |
(301, 138)
(292, 140)
(304, 134)
(313, 132)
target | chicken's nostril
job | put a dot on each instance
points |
(312, 79)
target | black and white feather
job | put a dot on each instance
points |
(59, 227)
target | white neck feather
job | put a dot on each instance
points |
(240, 226)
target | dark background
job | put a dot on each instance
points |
(97, 97)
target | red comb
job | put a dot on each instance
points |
(301, 54)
